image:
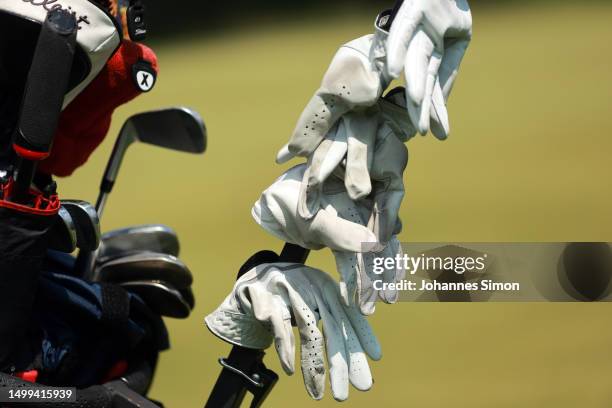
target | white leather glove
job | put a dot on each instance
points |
(355, 80)
(428, 40)
(377, 167)
(345, 224)
(266, 300)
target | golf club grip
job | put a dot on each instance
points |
(92, 397)
(46, 86)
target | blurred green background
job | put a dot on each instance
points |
(528, 160)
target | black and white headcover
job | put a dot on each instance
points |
(98, 35)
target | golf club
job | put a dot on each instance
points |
(152, 237)
(86, 222)
(161, 297)
(180, 129)
(63, 235)
(145, 266)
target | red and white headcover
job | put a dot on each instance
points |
(98, 35)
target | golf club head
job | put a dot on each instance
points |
(152, 238)
(138, 266)
(161, 297)
(179, 128)
(86, 222)
(63, 234)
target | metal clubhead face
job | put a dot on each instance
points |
(152, 238)
(161, 297)
(63, 234)
(145, 266)
(180, 129)
(87, 223)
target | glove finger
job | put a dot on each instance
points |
(432, 74)
(440, 125)
(364, 332)
(311, 349)
(361, 136)
(385, 214)
(367, 304)
(336, 352)
(320, 115)
(284, 342)
(367, 295)
(359, 372)
(449, 69)
(284, 155)
(346, 263)
(339, 234)
(391, 275)
(328, 155)
(402, 31)
(416, 69)
(276, 316)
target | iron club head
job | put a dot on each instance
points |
(145, 266)
(161, 297)
(86, 222)
(152, 238)
(63, 234)
(180, 129)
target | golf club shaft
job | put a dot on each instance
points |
(101, 203)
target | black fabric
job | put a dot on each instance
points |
(23, 246)
(115, 305)
(93, 397)
(15, 61)
(82, 329)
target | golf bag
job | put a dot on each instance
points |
(23, 242)
(55, 329)
(93, 336)
(82, 334)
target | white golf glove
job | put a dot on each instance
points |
(266, 300)
(341, 224)
(355, 80)
(428, 40)
(374, 166)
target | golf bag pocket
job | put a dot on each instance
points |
(23, 245)
(82, 331)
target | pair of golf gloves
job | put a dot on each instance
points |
(347, 196)
(350, 133)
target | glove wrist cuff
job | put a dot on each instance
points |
(238, 329)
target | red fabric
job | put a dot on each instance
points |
(29, 376)
(116, 371)
(86, 121)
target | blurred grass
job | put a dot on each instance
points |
(528, 160)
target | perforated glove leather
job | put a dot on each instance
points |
(262, 306)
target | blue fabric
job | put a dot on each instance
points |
(70, 338)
